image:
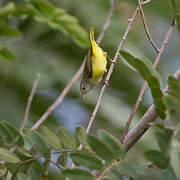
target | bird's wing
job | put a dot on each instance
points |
(88, 65)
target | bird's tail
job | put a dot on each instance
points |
(91, 34)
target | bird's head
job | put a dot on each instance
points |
(85, 87)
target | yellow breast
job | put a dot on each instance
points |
(99, 61)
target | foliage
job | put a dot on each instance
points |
(28, 154)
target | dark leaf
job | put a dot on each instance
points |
(87, 160)
(101, 149)
(8, 156)
(113, 143)
(67, 139)
(157, 158)
(79, 174)
(6, 54)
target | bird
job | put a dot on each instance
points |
(95, 66)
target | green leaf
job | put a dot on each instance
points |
(114, 174)
(5, 134)
(18, 140)
(173, 106)
(174, 85)
(147, 72)
(50, 137)
(21, 176)
(9, 31)
(6, 54)
(157, 158)
(8, 156)
(46, 164)
(101, 149)
(81, 137)
(43, 6)
(8, 9)
(141, 66)
(65, 18)
(113, 143)
(79, 174)
(163, 137)
(24, 9)
(125, 168)
(67, 139)
(175, 157)
(168, 174)
(63, 159)
(87, 160)
(176, 8)
(35, 141)
(35, 172)
(138, 165)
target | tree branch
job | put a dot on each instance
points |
(143, 125)
(108, 20)
(146, 27)
(111, 70)
(29, 102)
(139, 99)
(77, 75)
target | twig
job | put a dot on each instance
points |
(99, 39)
(108, 20)
(76, 76)
(29, 102)
(139, 99)
(146, 27)
(111, 70)
(145, 2)
(60, 99)
(107, 170)
(143, 125)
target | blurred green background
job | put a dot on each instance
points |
(56, 57)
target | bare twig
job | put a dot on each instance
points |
(145, 2)
(139, 99)
(146, 27)
(108, 20)
(143, 125)
(29, 102)
(111, 70)
(106, 170)
(77, 75)
(99, 39)
(60, 98)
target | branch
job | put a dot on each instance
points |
(143, 125)
(111, 70)
(156, 62)
(146, 27)
(77, 75)
(29, 102)
(108, 20)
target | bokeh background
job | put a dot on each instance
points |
(56, 57)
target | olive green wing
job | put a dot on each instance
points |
(88, 65)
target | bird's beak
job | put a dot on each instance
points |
(83, 96)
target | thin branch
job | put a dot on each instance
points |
(76, 76)
(106, 170)
(108, 20)
(139, 99)
(143, 125)
(145, 2)
(29, 102)
(111, 70)
(99, 39)
(146, 27)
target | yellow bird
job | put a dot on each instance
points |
(95, 66)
